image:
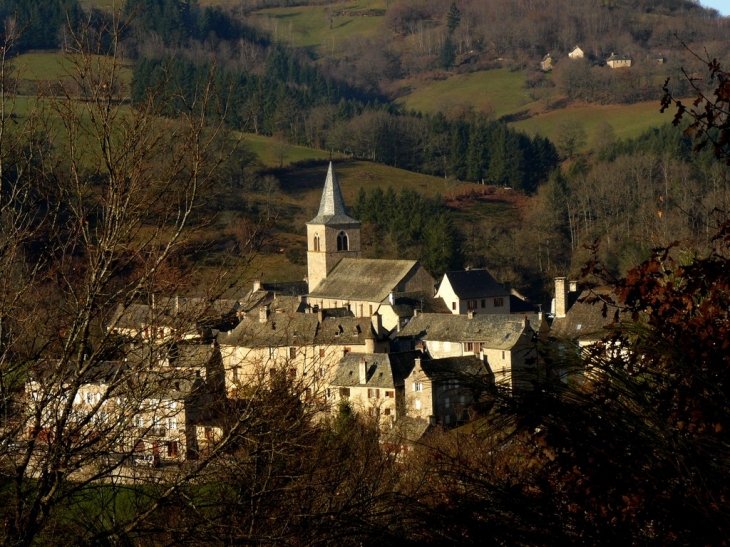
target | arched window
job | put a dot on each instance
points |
(342, 243)
(316, 242)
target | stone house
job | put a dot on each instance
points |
(172, 318)
(546, 65)
(374, 384)
(508, 342)
(618, 61)
(440, 391)
(152, 413)
(307, 347)
(576, 53)
(474, 290)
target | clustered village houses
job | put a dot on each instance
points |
(380, 335)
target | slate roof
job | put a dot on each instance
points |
(281, 329)
(449, 366)
(384, 370)
(615, 57)
(497, 331)
(363, 279)
(583, 320)
(474, 284)
(406, 302)
(332, 208)
(172, 312)
(344, 330)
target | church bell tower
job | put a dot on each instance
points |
(332, 235)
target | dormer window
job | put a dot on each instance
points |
(316, 242)
(342, 242)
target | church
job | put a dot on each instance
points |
(338, 276)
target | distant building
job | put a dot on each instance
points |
(577, 53)
(618, 61)
(546, 65)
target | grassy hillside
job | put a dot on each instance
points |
(499, 91)
(309, 26)
(54, 66)
(627, 120)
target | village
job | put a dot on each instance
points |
(379, 336)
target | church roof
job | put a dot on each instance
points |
(332, 208)
(363, 279)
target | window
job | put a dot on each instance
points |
(292, 373)
(447, 419)
(417, 386)
(484, 303)
(373, 393)
(342, 242)
(344, 392)
(292, 353)
(172, 449)
(386, 412)
(447, 403)
(418, 404)
(371, 309)
(272, 353)
(171, 405)
(172, 423)
(453, 305)
(235, 374)
(316, 242)
(498, 302)
(138, 421)
(372, 411)
(468, 346)
(390, 394)
(471, 305)
(89, 398)
(321, 352)
(503, 354)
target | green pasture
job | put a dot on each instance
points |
(498, 91)
(266, 150)
(627, 120)
(309, 26)
(53, 66)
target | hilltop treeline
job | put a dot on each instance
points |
(298, 102)
(40, 25)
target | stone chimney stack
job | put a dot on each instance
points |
(561, 297)
(470, 314)
(256, 285)
(263, 314)
(573, 286)
(362, 371)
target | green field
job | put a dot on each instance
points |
(498, 91)
(627, 120)
(309, 26)
(53, 67)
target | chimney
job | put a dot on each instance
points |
(481, 354)
(507, 287)
(573, 286)
(391, 298)
(525, 321)
(177, 304)
(256, 285)
(416, 312)
(362, 371)
(418, 362)
(376, 321)
(470, 314)
(561, 297)
(263, 314)
(320, 315)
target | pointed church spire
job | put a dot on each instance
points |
(332, 208)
